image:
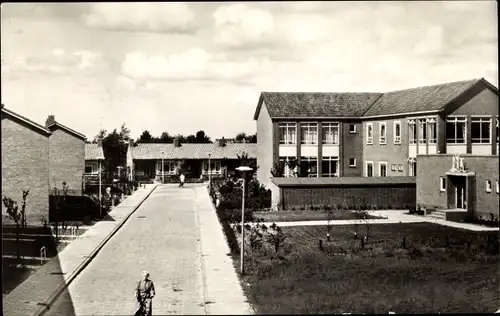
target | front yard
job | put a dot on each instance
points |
(405, 268)
(307, 215)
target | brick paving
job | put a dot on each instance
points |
(163, 237)
(24, 299)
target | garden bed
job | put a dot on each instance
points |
(435, 269)
(291, 216)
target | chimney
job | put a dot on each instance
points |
(177, 142)
(50, 120)
(221, 142)
(99, 143)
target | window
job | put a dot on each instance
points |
(309, 133)
(442, 184)
(352, 128)
(455, 130)
(382, 168)
(488, 186)
(329, 167)
(397, 132)
(288, 133)
(393, 167)
(431, 123)
(289, 167)
(309, 166)
(480, 130)
(413, 169)
(215, 167)
(369, 168)
(330, 133)
(88, 169)
(400, 168)
(422, 131)
(168, 167)
(352, 162)
(382, 133)
(369, 133)
(412, 131)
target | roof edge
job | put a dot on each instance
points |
(69, 130)
(27, 121)
(259, 106)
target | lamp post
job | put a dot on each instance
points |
(162, 167)
(243, 170)
(100, 188)
(209, 174)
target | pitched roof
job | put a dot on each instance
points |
(56, 125)
(26, 120)
(427, 98)
(315, 104)
(342, 181)
(193, 151)
(93, 152)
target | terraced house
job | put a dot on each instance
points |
(149, 162)
(384, 135)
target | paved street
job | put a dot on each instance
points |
(161, 237)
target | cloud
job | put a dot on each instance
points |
(57, 62)
(238, 25)
(173, 17)
(193, 64)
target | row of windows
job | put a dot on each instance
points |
(487, 185)
(382, 168)
(329, 166)
(456, 131)
(309, 133)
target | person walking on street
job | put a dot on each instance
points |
(181, 178)
(144, 293)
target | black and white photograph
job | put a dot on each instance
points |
(239, 158)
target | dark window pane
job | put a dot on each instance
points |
(450, 131)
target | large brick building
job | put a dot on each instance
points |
(374, 134)
(35, 158)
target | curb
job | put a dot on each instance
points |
(46, 305)
(206, 306)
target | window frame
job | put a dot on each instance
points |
(382, 140)
(352, 165)
(394, 167)
(442, 184)
(330, 127)
(488, 185)
(330, 159)
(456, 120)
(480, 121)
(432, 132)
(369, 162)
(287, 172)
(214, 171)
(401, 168)
(310, 159)
(397, 138)
(287, 139)
(309, 127)
(422, 128)
(352, 131)
(412, 131)
(369, 139)
(380, 164)
(168, 167)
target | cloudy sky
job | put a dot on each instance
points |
(182, 67)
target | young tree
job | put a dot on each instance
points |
(100, 136)
(24, 222)
(276, 237)
(14, 213)
(60, 206)
(145, 137)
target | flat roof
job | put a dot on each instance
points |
(342, 181)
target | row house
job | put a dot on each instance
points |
(164, 161)
(38, 158)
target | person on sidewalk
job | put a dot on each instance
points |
(182, 178)
(144, 293)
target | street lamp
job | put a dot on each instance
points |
(162, 168)
(243, 170)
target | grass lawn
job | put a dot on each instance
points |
(442, 269)
(291, 216)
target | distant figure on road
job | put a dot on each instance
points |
(181, 178)
(145, 292)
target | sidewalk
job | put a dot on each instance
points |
(391, 217)
(41, 288)
(223, 292)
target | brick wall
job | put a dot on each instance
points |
(386, 196)
(25, 166)
(432, 167)
(67, 160)
(351, 145)
(265, 146)
(390, 152)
